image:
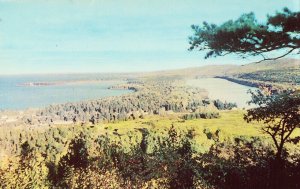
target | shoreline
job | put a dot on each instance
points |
(152, 97)
(240, 81)
(267, 87)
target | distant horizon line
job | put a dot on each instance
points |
(125, 72)
(139, 72)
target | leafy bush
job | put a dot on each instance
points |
(224, 105)
(207, 115)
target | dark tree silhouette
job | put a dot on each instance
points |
(25, 149)
(247, 37)
(77, 157)
(280, 114)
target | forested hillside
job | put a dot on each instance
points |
(277, 72)
(286, 71)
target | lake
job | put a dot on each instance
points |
(224, 90)
(16, 97)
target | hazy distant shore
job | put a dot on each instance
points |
(79, 82)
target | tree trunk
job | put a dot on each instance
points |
(277, 172)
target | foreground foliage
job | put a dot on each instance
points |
(146, 158)
(280, 114)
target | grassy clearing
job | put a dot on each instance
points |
(231, 125)
(230, 122)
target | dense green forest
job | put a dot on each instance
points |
(287, 76)
(147, 156)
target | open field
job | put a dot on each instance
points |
(231, 125)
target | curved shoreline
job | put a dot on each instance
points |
(152, 97)
(241, 82)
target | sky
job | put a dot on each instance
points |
(83, 36)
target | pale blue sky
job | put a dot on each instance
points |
(114, 35)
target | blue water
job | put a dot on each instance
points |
(14, 97)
